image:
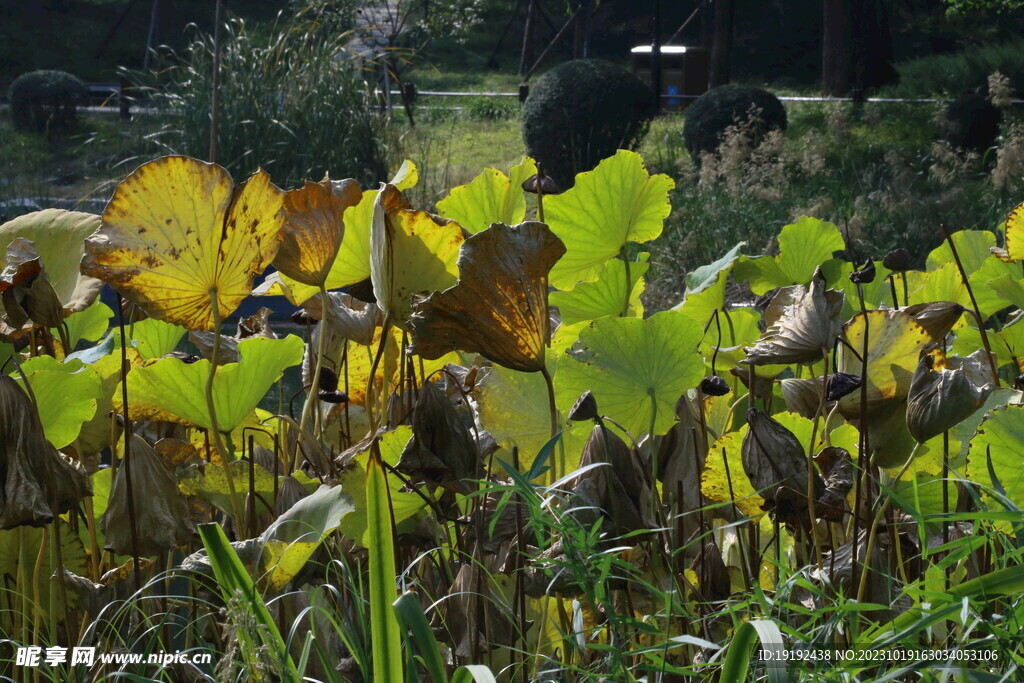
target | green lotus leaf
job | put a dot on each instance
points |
(637, 369)
(1001, 438)
(989, 298)
(151, 337)
(491, 197)
(210, 484)
(89, 324)
(877, 293)
(942, 284)
(59, 237)
(606, 295)
(406, 507)
(705, 286)
(803, 247)
(73, 559)
(972, 246)
(291, 540)
(1007, 343)
(66, 394)
(616, 203)
(169, 389)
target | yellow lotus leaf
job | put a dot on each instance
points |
(177, 232)
(411, 252)
(499, 308)
(1015, 233)
(492, 197)
(313, 229)
(894, 342)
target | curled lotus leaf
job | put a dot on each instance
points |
(39, 482)
(776, 464)
(499, 307)
(937, 317)
(803, 324)
(59, 236)
(803, 396)
(347, 316)
(411, 252)
(313, 229)
(160, 511)
(946, 390)
(177, 232)
(25, 290)
(836, 469)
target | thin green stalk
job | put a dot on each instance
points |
(371, 380)
(558, 466)
(218, 438)
(385, 636)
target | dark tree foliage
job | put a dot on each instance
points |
(45, 99)
(581, 112)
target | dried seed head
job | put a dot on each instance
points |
(897, 260)
(937, 318)
(332, 396)
(865, 274)
(541, 184)
(585, 408)
(328, 379)
(714, 386)
(840, 384)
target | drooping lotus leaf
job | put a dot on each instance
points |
(705, 286)
(776, 463)
(804, 395)
(441, 450)
(894, 342)
(348, 317)
(945, 390)
(160, 511)
(1001, 439)
(25, 290)
(499, 307)
(836, 468)
(606, 295)
(617, 493)
(803, 247)
(59, 237)
(72, 554)
(169, 389)
(39, 483)
(210, 484)
(616, 203)
(291, 540)
(637, 369)
(412, 252)
(937, 317)
(491, 197)
(313, 229)
(117, 584)
(66, 395)
(406, 507)
(803, 324)
(255, 325)
(177, 231)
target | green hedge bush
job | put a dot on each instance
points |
(715, 111)
(45, 99)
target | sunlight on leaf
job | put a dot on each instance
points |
(606, 295)
(491, 197)
(66, 393)
(803, 247)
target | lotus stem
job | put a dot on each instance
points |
(870, 542)
(744, 563)
(126, 457)
(218, 438)
(974, 304)
(558, 466)
(862, 444)
(371, 380)
(625, 305)
(321, 346)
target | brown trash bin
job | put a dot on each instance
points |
(684, 73)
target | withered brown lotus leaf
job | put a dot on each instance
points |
(476, 615)
(313, 228)
(116, 584)
(803, 396)
(25, 289)
(290, 493)
(681, 454)
(499, 307)
(585, 408)
(441, 449)
(839, 384)
(802, 325)
(37, 482)
(161, 514)
(836, 469)
(944, 391)
(937, 317)
(712, 574)
(347, 316)
(616, 492)
(774, 460)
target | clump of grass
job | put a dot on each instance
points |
(292, 100)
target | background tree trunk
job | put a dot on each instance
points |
(721, 42)
(835, 48)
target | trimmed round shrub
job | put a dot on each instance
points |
(581, 112)
(972, 122)
(715, 111)
(45, 99)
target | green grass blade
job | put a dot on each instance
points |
(421, 638)
(384, 632)
(473, 673)
(233, 579)
(741, 650)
